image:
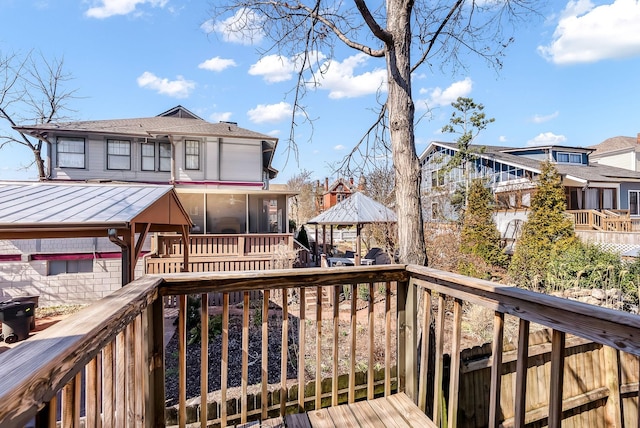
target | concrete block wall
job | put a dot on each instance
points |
(67, 245)
(19, 278)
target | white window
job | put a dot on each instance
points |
(119, 154)
(70, 152)
(148, 156)
(192, 154)
(634, 202)
(164, 154)
(565, 157)
(437, 178)
(58, 267)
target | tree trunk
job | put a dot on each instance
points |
(401, 115)
(42, 171)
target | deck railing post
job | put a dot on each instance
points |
(154, 388)
(407, 339)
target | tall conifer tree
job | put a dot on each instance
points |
(479, 236)
(547, 230)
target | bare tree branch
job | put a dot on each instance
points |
(32, 90)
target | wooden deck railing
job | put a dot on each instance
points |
(605, 220)
(112, 353)
(244, 245)
(218, 253)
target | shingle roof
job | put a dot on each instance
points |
(591, 172)
(615, 144)
(148, 127)
(356, 209)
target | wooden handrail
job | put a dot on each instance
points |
(33, 372)
(119, 342)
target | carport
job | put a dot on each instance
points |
(124, 213)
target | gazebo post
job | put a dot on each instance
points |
(358, 245)
(317, 253)
(324, 239)
(331, 237)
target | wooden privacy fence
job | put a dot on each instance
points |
(589, 373)
(117, 345)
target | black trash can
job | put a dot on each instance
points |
(33, 299)
(16, 320)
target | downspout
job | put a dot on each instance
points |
(173, 159)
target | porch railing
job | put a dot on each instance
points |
(213, 253)
(113, 355)
(605, 220)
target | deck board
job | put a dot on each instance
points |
(394, 411)
(342, 416)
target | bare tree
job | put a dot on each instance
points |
(427, 32)
(32, 90)
(303, 204)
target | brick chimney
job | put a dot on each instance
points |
(351, 182)
(326, 184)
(638, 138)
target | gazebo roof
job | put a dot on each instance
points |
(356, 209)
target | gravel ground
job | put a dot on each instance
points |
(235, 357)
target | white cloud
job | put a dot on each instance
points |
(220, 117)
(179, 88)
(502, 139)
(341, 82)
(245, 27)
(108, 8)
(273, 68)
(542, 119)
(217, 64)
(270, 113)
(547, 139)
(438, 97)
(586, 33)
(338, 147)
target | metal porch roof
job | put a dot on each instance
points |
(47, 210)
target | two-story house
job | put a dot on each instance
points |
(220, 172)
(621, 152)
(599, 196)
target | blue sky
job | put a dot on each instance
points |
(571, 77)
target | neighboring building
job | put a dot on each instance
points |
(621, 152)
(333, 193)
(220, 171)
(592, 188)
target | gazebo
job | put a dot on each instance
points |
(358, 209)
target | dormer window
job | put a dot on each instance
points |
(567, 157)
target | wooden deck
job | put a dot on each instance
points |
(393, 411)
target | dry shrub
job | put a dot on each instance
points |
(442, 241)
(283, 257)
